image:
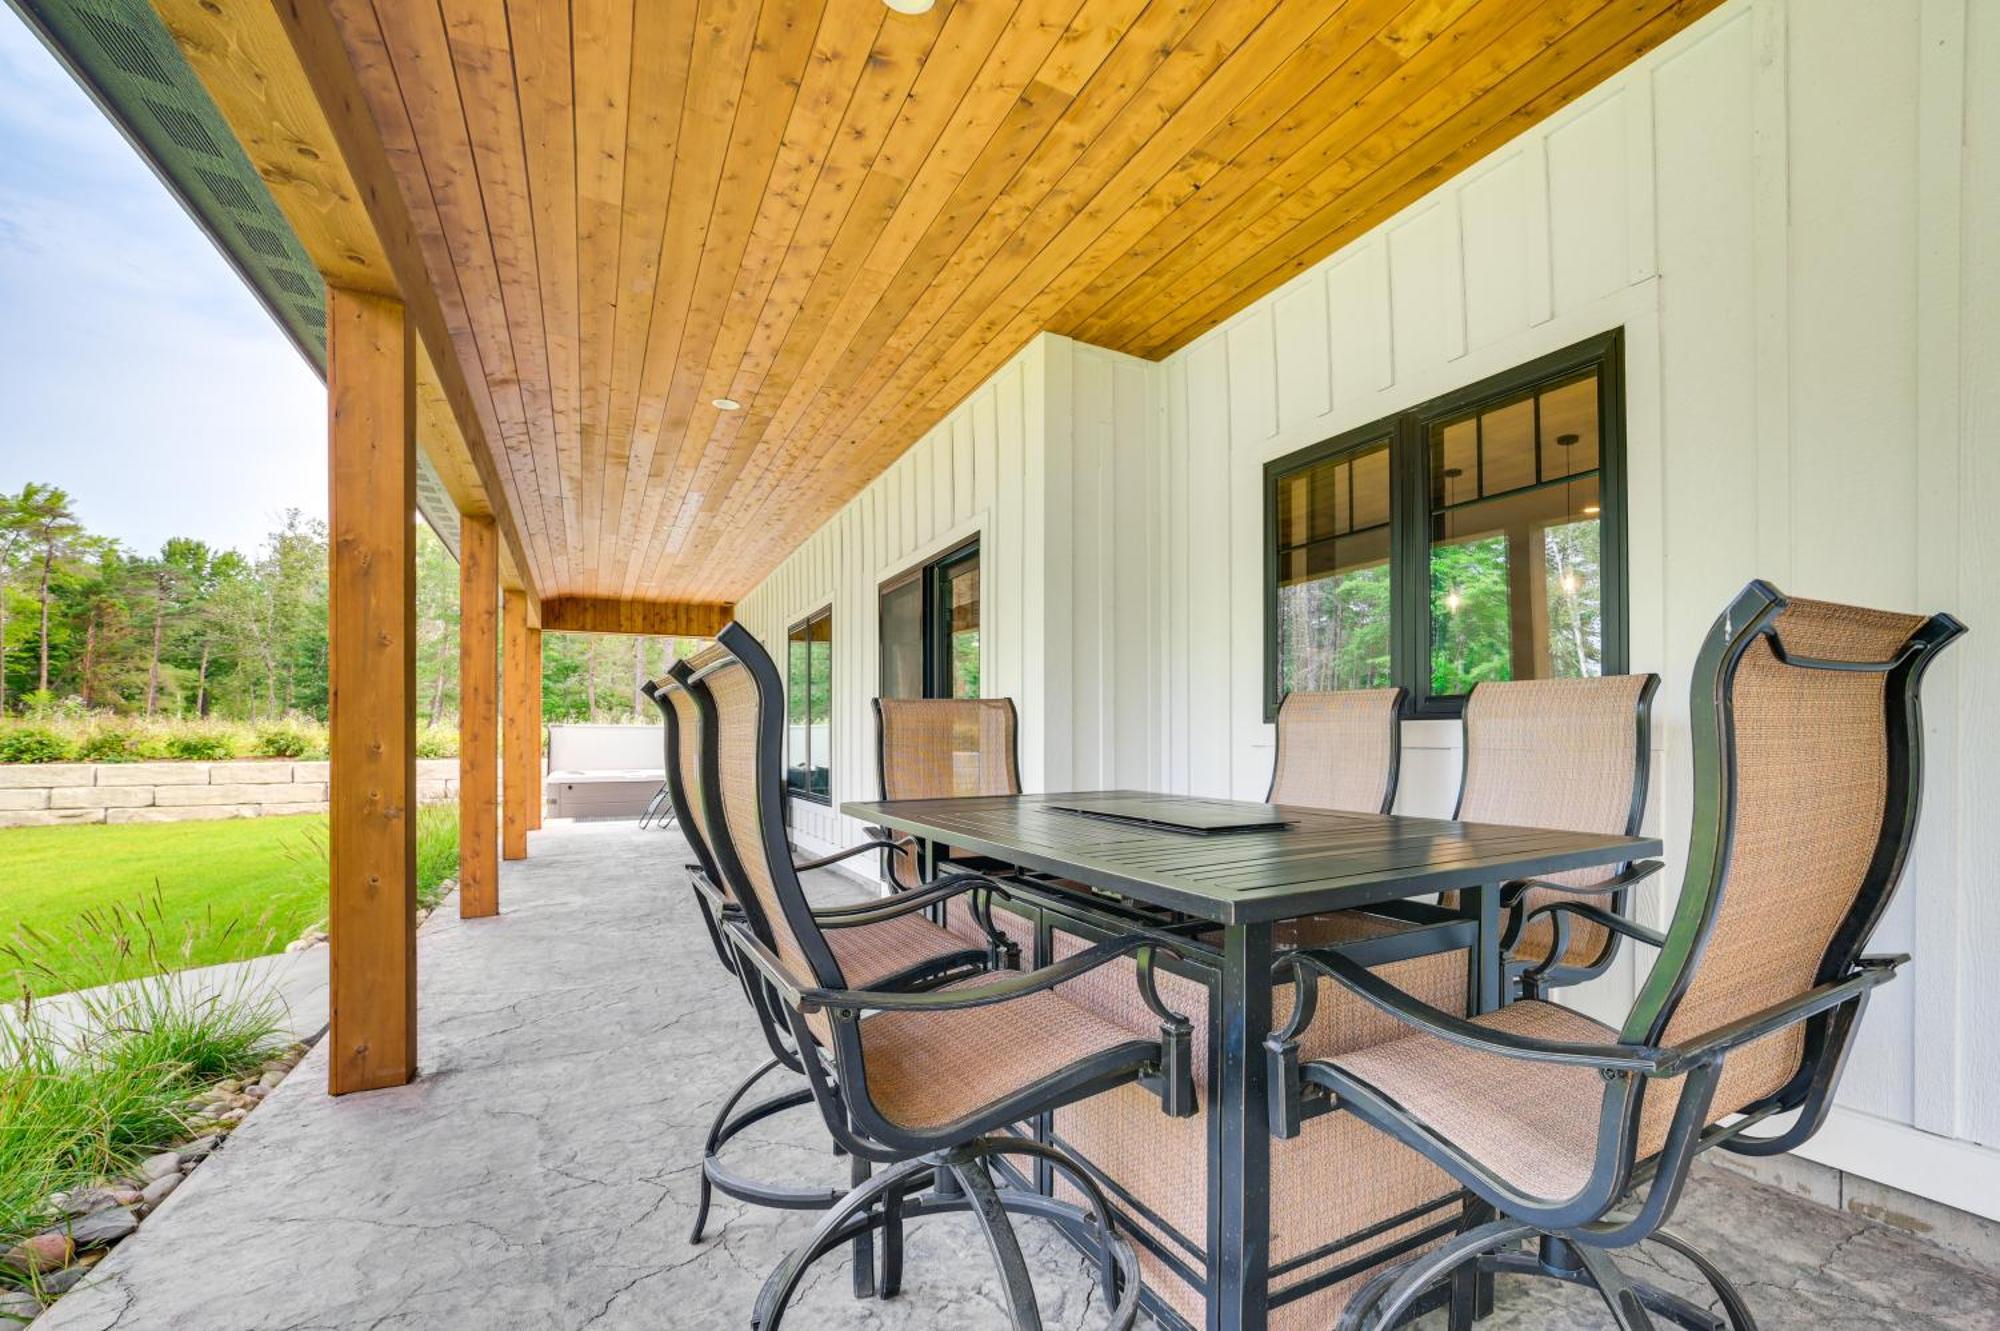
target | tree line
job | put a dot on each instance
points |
(88, 623)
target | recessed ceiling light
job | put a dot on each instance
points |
(727, 404)
(910, 6)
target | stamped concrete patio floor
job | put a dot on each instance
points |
(541, 1173)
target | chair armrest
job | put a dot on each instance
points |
(1019, 985)
(903, 903)
(1371, 988)
(1868, 973)
(1636, 872)
(1558, 915)
(802, 866)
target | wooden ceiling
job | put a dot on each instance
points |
(845, 218)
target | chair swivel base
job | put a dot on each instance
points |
(1494, 1249)
(718, 1177)
(964, 1185)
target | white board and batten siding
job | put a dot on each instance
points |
(1051, 465)
(1793, 212)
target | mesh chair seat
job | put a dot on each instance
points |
(869, 953)
(928, 1069)
(1536, 1124)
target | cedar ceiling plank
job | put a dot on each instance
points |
(1563, 74)
(1356, 143)
(991, 112)
(971, 359)
(823, 247)
(1164, 87)
(968, 39)
(1425, 36)
(646, 618)
(760, 108)
(404, 66)
(826, 95)
(1138, 48)
(539, 37)
(663, 37)
(1183, 96)
(601, 77)
(483, 70)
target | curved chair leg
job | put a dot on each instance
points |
(1733, 1305)
(1109, 1274)
(784, 1282)
(1394, 1288)
(858, 1171)
(1015, 1285)
(716, 1129)
(1620, 1296)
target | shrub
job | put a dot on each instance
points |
(197, 747)
(283, 741)
(437, 851)
(108, 744)
(437, 742)
(33, 744)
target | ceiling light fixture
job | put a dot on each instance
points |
(727, 404)
(910, 6)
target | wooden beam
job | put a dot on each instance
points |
(372, 683)
(287, 56)
(656, 619)
(519, 728)
(535, 727)
(478, 717)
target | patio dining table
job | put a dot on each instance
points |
(1245, 868)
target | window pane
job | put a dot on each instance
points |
(798, 706)
(820, 708)
(1516, 588)
(961, 596)
(1333, 585)
(903, 640)
(1569, 428)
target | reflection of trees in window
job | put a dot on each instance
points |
(809, 706)
(1334, 631)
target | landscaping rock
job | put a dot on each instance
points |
(18, 1306)
(257, 1092)
(62, 1282)
(85, 1200)
(43, 1252)
(198, 1150)
(159, 1190)
(157, 1167)
(269, 1081)
(101, 1229)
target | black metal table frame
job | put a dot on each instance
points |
(1240, 1141)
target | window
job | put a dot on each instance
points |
(809, 707)
(1476, 537)
(930, 628)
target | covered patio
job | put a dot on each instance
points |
(542, 1172)
(1115, 372)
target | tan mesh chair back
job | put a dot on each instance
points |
(1561, 753)
(682, 713)
(744, 801)
(943, 748)
(1339, 750)
(1801, 829)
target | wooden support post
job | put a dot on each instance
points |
(519, 730)
(478, 717)
(372, 688)
(535, 727)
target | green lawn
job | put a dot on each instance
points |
(191, 894)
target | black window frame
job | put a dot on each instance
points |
(934, 574)
(823, 614)
(1408, 433)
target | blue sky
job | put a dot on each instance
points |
(136, 371)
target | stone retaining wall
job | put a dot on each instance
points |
(47, 794)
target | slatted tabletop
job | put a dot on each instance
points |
(1321, 861)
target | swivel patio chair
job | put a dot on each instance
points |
(1340, 750)
(895, 952)
(1808, 772)
(922, 1082)
(1570, 754)
(945, 748)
